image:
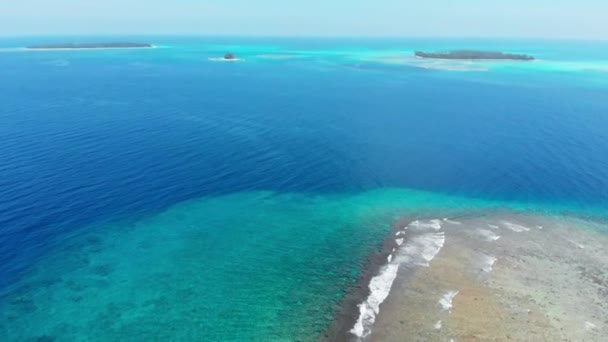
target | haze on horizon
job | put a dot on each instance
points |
(583, 19)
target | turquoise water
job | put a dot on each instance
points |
(159, 195)
(255, 265)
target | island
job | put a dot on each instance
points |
(474, 55)
(119, 45)
(229, 56)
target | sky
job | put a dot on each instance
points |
(569, 19)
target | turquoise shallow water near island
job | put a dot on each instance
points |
(159, 194)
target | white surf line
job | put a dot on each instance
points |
(431, 247)
(488, 263)
(515, 227)
(447, 299)
(418, 251)
(452, 222)
(493, 226)
(431, 224)
(422, 249)
(380, 287)
(488, 235)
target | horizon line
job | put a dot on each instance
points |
(298, 36)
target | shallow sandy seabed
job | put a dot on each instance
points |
(404, 59)
(222, 59)
(503, 278)
(278, 56)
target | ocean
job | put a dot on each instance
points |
(160, 194)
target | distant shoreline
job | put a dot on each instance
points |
(80, 49)
(90, 46)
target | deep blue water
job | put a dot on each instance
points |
(93, 137)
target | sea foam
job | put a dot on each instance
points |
(515, 227)
(422, 249)
(488, 235)
(488, 262)
(447, 299)
(380, 287)
(418, 251)
(422, 225)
